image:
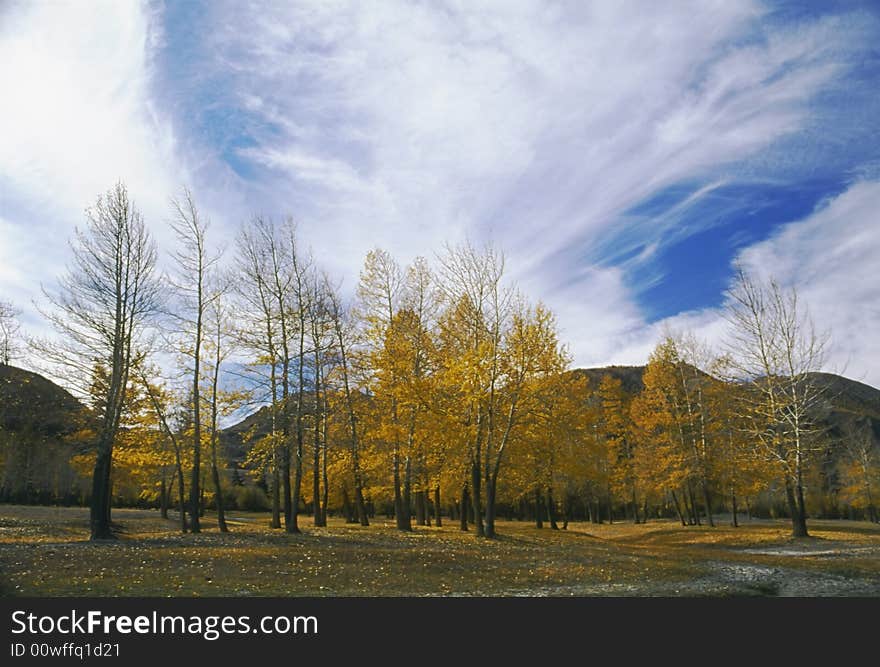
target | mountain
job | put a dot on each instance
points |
(630, 376)
(35, 416)
(30, 402)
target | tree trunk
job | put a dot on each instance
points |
(405, 521)
(287, 495)
(463, 511)
(678, 508)
(551, 509)
(276, 496)
(360, 506)
(733, 508)
(325, 498)
(398, 496)
(420, 508)
(346, 506)
(490, 507)
(539, 509)
(316, 475)
(163, 496)
(801, 528)
(690, 488)
(798, 523)
(707, 501)
(100, 523)
(475, 498)
(437, 520)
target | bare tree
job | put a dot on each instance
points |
(220, 347)
(9, 331)
(342, 330)
(321, 340)
(773, 344)
(101, 308)
(194, 266)
(256, 262)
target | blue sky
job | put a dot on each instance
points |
(623, 154)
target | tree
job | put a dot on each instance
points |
(342, 330)
(379, 290)
(220, 346)
(101, 308)
(9, 330)
(194, 265)
(159, 403)
(621, 449)
(258, 277)
(773, 344)
(861, 465)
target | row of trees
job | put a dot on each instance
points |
(430, 386)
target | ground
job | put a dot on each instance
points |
(44, 551)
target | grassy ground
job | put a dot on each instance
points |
(44, 551)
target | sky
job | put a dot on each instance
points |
(625, 155)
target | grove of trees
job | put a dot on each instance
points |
(428, 390)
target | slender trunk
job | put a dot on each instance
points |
(181, 493)
(163, 496)
(539, 509)
(287, 496)
(276, 497)
(707, 501)
(465, 501)
(325, 474)
(551, 509)
(218, 491)
(437, 520)
(693, 499)
(398, 496)
(215, 468)
(360, 505)
(475, 497)
(678, 508)
(420, 507)
(316, 473)
(406, 500)
(352, 423)
(490, 507)
(801, 527)
(346, 506)
(195, 485)
(733, 508)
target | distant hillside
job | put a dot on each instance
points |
(629, 376)
(31, 402)
(36, 415)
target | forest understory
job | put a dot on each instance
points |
(44, 551)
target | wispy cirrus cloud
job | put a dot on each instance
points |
(588, 139)
(77, 115)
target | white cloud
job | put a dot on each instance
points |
(406, 125)
(830, 257)
(77, 115)
(538, 125)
